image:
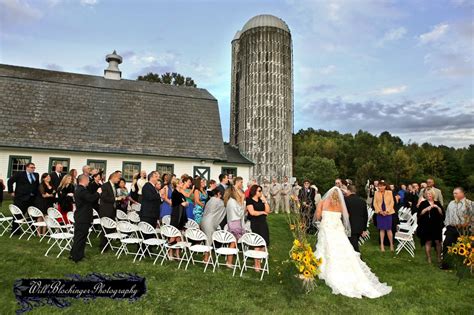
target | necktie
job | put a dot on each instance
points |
(30, 177)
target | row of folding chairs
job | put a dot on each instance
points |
(191, 242)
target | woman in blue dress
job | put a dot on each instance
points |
(166, 192)
(188, 192)
(200, 197)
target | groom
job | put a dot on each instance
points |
(358, 216)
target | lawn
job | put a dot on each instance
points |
(418, 288)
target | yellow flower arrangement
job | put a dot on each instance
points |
(302, 254)
(463, 249)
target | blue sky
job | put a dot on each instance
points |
(402, 66)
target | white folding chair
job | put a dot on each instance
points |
(60, 234)
(121, 216)
(136, 206)
(36, 214)
(56, 215)
(5, 223)
(249, 241)
(406, 240)
(146, 229)
(95, 222)
(197, 236)
(191, 224)
(169, 231)
(109, 224)
(131, 238)
(70, 217)
(20, 219)
(225, 239)
(166, 220)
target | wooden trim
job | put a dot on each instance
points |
(195, 168)
(10, 164)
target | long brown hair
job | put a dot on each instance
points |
(231, 192)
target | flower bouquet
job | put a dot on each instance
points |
(463, 250)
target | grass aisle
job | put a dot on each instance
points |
(417, 287)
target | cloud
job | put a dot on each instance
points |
(409, 118)
(393, 90)
(451, 56)
(53, 66)
(89, 2)
(392, 35)
(319, 88)
(327, 70)
(17, 12)
(434, 35)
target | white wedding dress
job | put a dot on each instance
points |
(342, 269)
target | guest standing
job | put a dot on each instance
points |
(430, 184)
(140, 183)
(122, 192)
(94, 184)
(151, 201)
(46, 194)
(65, 197)
(258, 210)
(456, 213)
(166, 192)
(285, 195)
(45, 198)
(200, 198)
(26, 188)
(107, 206)
(275, 193)
(73, 173)
(214, 213)
(383, 206)
(178, 204)
(134, 189)
(56, 175)
(430, 224)
(358, 216)
(234, 201)
(2, 188)
(85, 199)
(188, 192)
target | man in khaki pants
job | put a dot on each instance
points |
(285, 195)
(275, 193)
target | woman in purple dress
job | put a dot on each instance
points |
(384, 208)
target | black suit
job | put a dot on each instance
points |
(25, 191)
(306, 198)
(83, 220)
(107, 207)
(55, 179)
(357, 209)
(151, 202)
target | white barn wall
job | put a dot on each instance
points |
(114, 162)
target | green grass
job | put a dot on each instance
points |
(418, 288)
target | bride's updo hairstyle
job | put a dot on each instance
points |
(335, 197)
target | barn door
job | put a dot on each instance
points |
(203, 172)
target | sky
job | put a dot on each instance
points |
(400, 66)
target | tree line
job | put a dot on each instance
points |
(321, 156)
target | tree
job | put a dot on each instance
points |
(168, 78)
(319, 170)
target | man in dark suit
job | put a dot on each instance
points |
(85, 200)
(108, 199)
(151, 200)
(357, 209)
(26, 188)
(56, 176)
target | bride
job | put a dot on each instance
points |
(342, 269)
